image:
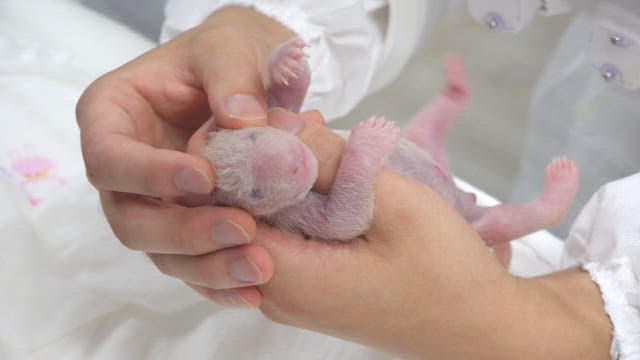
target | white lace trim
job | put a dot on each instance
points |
(617, 284)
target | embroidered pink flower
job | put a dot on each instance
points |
(34, 173)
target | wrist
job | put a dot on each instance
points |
(558, 316)
(564, 312)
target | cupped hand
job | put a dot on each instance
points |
(135, 124)
(374, 289)
(421, 283)
(418, 278)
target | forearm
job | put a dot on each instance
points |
(559, 316)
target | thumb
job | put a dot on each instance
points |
(232, 62)
(232, 79)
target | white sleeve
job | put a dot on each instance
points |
(355, 46)
(605, 241)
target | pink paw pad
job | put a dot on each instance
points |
(288, 61)
(377, 133)
(561, 183)
(561, 170)
(377, 124)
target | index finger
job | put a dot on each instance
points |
(118, 158)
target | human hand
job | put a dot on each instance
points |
(421, 283)
(371, 287)
(135, 124)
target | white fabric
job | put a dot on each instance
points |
(65, 24)
(349, 53)
(605, 240)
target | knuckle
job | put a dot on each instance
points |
(200, 247)
(204, 270)
(124, 237)
(84, 102)
(93, 164)
(269, 313)
(182, 240)
(93, 177)
(121, 228)
(208, 293)
(277, 311)
(86, 109)
(191, 239)
(161, 264)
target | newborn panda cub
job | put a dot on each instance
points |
(270, 172)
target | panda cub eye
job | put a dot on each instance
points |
(253, 136)
(256, 194)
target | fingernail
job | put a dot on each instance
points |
(233, 299)
(192, 180)
(244, 270)
(228, 233)
(244, 107)
(292, 124)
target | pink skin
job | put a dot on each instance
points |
(265, 167)
(289, 76)
(269, 172)
(261, 169)
(334, 216)
(505, 222)
(497, 224)
(430, 127)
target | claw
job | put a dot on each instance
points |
(290, 72)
